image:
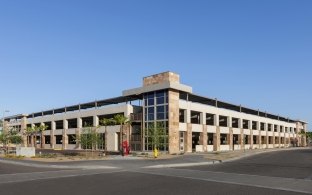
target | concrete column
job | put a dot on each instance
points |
(216, 120)
(78, 131)
(64, 134)
(229, 121)
(216, 139)
(185, 116)
(95, 121)
(259, 135)
(279, 135)
(273, 139)
(188, 138)
(267, 135)
(251, 139)
(23, 131)
(188, 116)
(230, 138)
(240, 123)
(204, 138)
(52, 138)
(203, 118)
(241, 139)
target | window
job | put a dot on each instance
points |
(210, 119)
(223, 121)
(58, 139)
(275, 128)
(269, 127)
(255, 140)
(48, 125)
(235, 139)
(47, 139)
(71, 139)
(72, 123)
(210, 139)
(182, 116)
(156, 120)
(245, 124)
(235, 122)
(87, 121)
(160, 112)
(246, 140)
(223, 139)
(254, 125)
(195, 117)
(59, 124)
(262, 126)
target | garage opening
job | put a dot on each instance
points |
(210, 119)
(235, 122)
(195, 117)
(195, 140)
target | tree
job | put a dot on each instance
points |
(157, 135)
(30, 131)
(89, 139)
(306, 135)
(11, 136)
(122, 121)
(41, 129)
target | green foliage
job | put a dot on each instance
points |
(12, 136)
(107, 122)
(121, 119)
(89, 138)
(157, 135)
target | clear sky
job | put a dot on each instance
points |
(64, 52)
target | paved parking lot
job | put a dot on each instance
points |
(283, 172)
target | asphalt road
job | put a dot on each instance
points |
(284, 172)
(286, 164)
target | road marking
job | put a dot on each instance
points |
(181, 165)
(275, 183)
(24, 177)
(30, 164)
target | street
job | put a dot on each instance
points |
(280, 172)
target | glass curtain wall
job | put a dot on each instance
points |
(156, 120)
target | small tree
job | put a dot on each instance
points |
(11, 136)
(157, 135)
(30, 131)
(41, 129)
(89, 139)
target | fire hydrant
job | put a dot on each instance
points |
(155, 153)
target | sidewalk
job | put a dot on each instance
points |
(224, 156)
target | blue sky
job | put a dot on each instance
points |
(64, 52)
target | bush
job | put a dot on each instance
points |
(49, 155)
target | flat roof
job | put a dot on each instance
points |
(93, 104)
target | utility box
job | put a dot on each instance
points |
(25, 151)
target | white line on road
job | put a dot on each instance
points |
(274, 183)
